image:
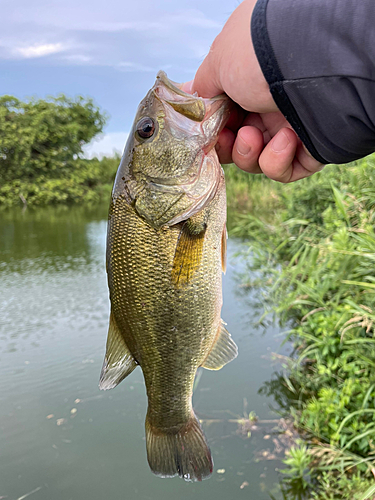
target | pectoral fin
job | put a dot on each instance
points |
(118, 361)
(188, 253)
(224, 350)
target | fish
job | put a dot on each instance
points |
(166, 251)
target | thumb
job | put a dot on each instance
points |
(206, 81)
(188, 87)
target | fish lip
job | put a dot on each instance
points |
(173, 86)
(176, 87)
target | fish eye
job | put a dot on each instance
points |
(146, 127)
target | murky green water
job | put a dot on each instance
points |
(63, 439)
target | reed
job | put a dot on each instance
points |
(314, 253)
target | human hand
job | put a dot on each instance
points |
(257, 138)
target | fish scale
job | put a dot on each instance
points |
(149, 307)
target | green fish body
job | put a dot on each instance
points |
(166, 249)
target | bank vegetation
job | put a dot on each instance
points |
(42, 159)
(312, 244)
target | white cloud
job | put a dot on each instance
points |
(76, 33)
(40, 50)
(107, 145)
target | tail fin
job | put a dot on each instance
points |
(185, 453)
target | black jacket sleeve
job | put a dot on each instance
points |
(318, 57)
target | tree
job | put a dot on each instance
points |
(41, 159)
(44, 137)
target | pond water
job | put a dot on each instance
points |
(63, 439)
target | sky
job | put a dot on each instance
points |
(110, 50)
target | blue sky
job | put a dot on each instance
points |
(110, 50)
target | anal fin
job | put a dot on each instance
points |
(118, 361)
(223, 350)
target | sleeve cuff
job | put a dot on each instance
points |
(274, 77)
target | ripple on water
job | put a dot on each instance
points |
(58, 431)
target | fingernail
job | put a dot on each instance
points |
(242, 147)
(280, 142)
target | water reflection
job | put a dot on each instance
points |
(63, 436)
(47, 236)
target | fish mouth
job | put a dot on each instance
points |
(210, 113)
(176, 88)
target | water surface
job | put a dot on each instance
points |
(63, 439)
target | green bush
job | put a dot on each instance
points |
(41, 156)
(90, 182)
(318, 256)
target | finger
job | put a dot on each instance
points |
(285, 159)
(207, 79)
(224, 146)
(277, 157)
(300, 172)
(236, 118)
(255, 120)
(247, 148)
(307, 160)
(187, 87)
(304, 164)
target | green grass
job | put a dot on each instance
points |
(315, 248)
(255, 194)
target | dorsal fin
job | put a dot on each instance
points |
(118, 361)
(223, 350)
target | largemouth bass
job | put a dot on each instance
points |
(166, 249)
